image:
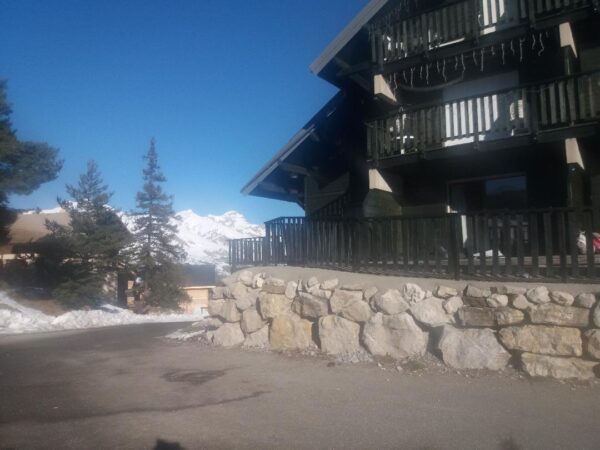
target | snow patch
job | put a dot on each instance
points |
(15, 318)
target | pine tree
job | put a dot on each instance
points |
(24, 166)
(92, 245)
(158, 255)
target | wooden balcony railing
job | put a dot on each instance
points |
(394, 39)
(558, 244)
(502, 114)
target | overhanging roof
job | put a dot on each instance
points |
(294, 144)
(346, 35)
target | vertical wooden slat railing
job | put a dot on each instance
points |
(545, 244)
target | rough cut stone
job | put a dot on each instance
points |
(310, 306)
(389, 302)
(508, 316)
(470, 316)
(431, 312)
(312, 281)
(273, 305)
(562, 368)
(218, 293)
(497, 300)
(291, 290)
(592, 338)
(542, 339)
(509, 290)
(369, 293)
(397, 336)
(413, 293)
(476, 297)
(597, 315)
(245, 277)
(585, 300)
(321, 293)
(445, 292)
(453, 304)
(562, 298)
(251, 321)
(552, 314)
(539, 295)
(330, 285)
(258, 280)
(520, 302)
(247, 301)
(338, 335)
(228, 335)
(290, 332)
(258, 339)
(349, 304)
(352, 287)
(274, 286)
(215, 307)
(229, 312)
(238, 290)
(472, 349)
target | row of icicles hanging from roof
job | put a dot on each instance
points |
(457, 65)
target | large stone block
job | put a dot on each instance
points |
(291, 290)
(546, 340)
(472, 349)
(397, 336)
(349, 304)
(389, 302)
(445, 292)
(251, 321)
(562, 298)
(509, 290)
(431, 312)
(330, 285)
(519, 301)
(228, 335)
(551, 314)
(219, 293)
(290, 332)
(274, 286)
(245, 277)
(453, 304)
(476, 297)
(224, 309)
(497, 300)
(555, 367)
(585, 300)
(470, 316)
(338, 335)
(413, 293)
(310, 306)
(538, 295)
(258, 339)
(592, 343)
(596, 316)
(215, 307)
(273, 305)
(248, 300)
(238, 290)
(508, 316)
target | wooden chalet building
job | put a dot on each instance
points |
(463, 142)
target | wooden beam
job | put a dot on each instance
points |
(382, 90)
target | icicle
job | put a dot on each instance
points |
(412, 71)
(427, 73)
(521, 49)
(444, 71)
(512, 47)
(542, 48)
(462, 59)
(503, 56)
(474, 59)
(455, 63)
(421, 73)
(438, 65)
(533, 42)
(482, 53)
(404, 75)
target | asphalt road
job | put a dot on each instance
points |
(127, 388)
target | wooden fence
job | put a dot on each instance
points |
(527, 245)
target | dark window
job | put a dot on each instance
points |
(490, 193)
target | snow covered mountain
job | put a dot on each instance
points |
(204, 238)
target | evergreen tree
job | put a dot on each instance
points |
(92, 245)
(157, 254)
(24, 166)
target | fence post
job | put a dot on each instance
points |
(267, 245)
(355, 226)
(454, 247)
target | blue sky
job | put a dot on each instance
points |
(221, 85)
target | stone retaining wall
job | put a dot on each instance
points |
(546, 333)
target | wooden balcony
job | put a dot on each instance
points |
(397, 38)
(555, 109)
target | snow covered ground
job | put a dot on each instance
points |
(15, 318)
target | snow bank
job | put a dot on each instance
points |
(15, 318)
